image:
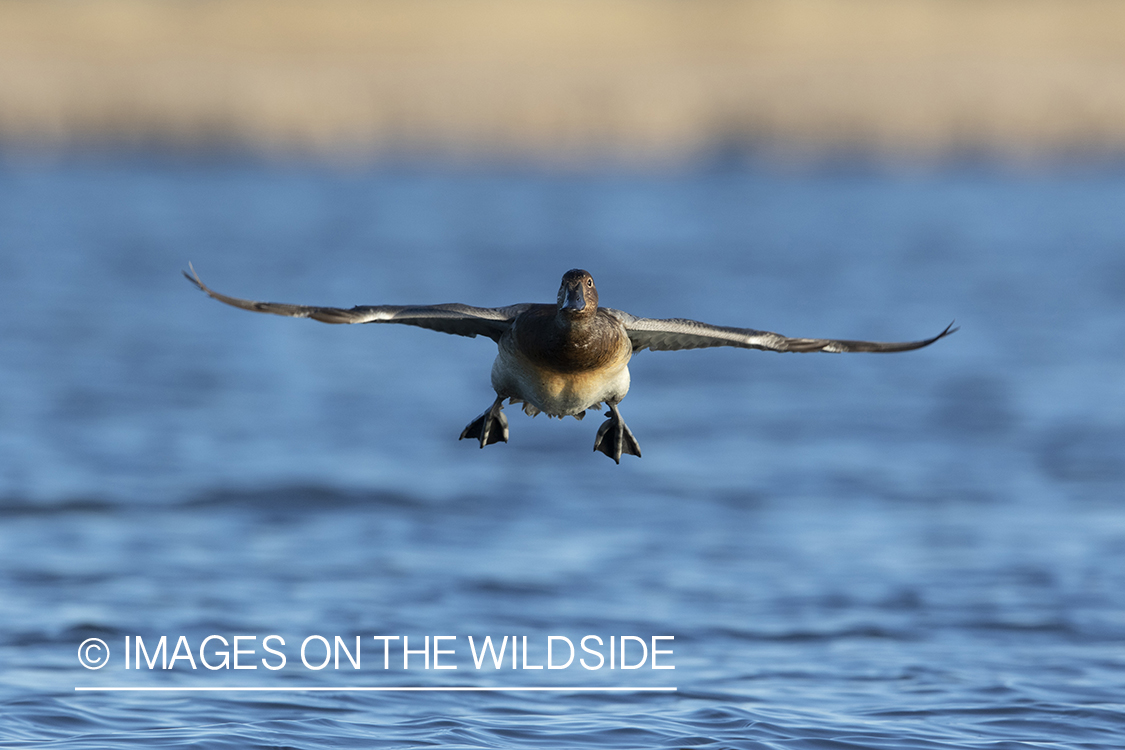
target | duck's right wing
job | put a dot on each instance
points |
(454, 318)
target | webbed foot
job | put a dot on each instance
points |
(615, 437)
(490, 427)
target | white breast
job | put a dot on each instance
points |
(558, 394)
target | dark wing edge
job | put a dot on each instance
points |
(679, 333)
(453, 318)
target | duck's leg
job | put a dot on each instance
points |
(615, 437)
(490, 427)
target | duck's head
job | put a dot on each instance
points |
(578, 297)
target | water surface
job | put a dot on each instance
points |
(924, 550)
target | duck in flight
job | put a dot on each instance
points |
(565, 358)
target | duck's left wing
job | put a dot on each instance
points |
(679, 333)
(458, 319)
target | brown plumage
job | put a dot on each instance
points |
(565, 358)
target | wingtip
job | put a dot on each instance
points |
(193, 277)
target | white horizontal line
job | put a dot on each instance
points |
(445, 689)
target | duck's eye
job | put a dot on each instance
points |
(589, 282)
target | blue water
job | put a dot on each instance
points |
(921, 550)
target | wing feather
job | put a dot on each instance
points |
(680, 333)
(453, 318)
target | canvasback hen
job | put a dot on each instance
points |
(565, 358)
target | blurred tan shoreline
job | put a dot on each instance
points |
(567, 80)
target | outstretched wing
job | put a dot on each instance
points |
(679, 333)
(454, 318)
